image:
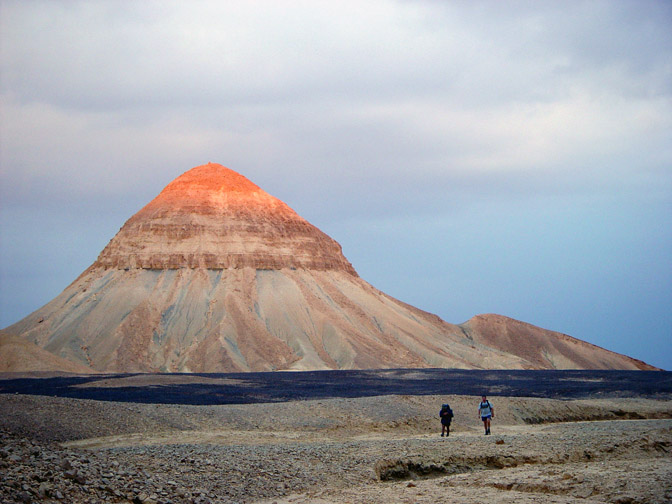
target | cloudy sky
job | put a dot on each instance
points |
(470, 156)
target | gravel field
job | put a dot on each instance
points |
(359, 450)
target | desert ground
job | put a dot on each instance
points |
(361, 450)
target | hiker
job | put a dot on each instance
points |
(446, 415)
(486, 412)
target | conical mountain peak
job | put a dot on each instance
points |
(214, 178)
(213, 189)
(212, 217)
(216, 275)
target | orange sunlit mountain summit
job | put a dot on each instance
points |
(212, 217)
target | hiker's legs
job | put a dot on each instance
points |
(486, 424)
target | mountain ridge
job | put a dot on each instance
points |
(216, 275)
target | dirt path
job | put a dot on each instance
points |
(610, 461)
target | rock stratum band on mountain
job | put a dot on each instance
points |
(216, 275)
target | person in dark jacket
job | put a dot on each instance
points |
(446, 415)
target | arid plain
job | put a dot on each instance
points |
(359, 450)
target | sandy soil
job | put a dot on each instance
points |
(380, 449)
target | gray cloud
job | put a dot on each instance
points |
(437, 129)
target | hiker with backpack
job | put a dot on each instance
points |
(446, 415)
(486, 412)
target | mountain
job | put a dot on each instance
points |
(542, 348)
(216, 275)
(18, 355)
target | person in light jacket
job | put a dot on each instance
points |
(487, 413)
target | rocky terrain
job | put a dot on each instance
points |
(379, 449)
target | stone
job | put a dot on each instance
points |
(44, 490)
(24, 497)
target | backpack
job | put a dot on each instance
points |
(445, 407)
